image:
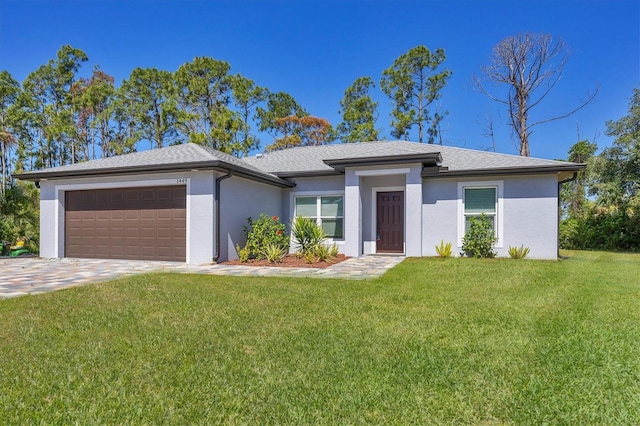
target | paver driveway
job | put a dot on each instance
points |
(21, 276)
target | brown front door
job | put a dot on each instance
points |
(127, 223)
(390, 222)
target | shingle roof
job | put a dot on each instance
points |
(311, 159)
(271, 167)
(165, 159)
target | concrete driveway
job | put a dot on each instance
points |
(32, 275)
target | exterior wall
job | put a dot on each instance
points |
(529, 214)
(239, 199)
(199, 208)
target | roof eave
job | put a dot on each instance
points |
(176, 167)
(427, 159)
(556, 168)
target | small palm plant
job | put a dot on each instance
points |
(444, 250)
(518, 252)
(307, 234)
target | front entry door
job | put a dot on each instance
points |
(390, 222)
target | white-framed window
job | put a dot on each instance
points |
(477, 198)
(326, 210)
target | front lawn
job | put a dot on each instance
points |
(433, 341)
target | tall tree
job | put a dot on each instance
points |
(47, 105)
(92, 101)
(574, 193)
(246, 96)
(203, 97)
(301, 131)
(279, 105)
(359, 112)
(413, 83)
(9, 91)
(529, 66)
(617, 168)
(151, 94)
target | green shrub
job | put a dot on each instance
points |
(333, 251)
(444, 250)
(307, 234)
(309, 257)
(243, 253)
(264, 231)
(273, 253)
(480, 239)
(322, 252)
(518, 252)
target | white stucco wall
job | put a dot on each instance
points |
(199, 187)
(529, 214)
(239, 199)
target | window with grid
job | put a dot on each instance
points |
(326, 210)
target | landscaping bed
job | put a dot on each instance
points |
(290, 261)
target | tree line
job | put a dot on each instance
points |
(601, 207)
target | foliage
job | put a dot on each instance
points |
(528, 65)
(573, 193)
(444, 250)
(19, 215)
(322, 252)
(359, 112)
(309, 256)
(279, 105)
(307, 234)
(518, 252)
(333, 251)
(273, 253)
(243, 253)
(151, 97)
(480, 239)
(301, 131)
(263, 232)
(413, 83)
(610, 218)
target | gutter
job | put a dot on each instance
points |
(567, 180)
(216, 253)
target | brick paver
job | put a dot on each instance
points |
(21, 276)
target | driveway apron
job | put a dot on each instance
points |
(22, 276)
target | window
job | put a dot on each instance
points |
(476, 198)
(478, 201)
(327, 211)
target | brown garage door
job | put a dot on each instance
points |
(127, 223)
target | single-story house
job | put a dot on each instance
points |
(189, 203)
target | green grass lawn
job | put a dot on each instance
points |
(433, 341)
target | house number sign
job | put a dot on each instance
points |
(182, 180)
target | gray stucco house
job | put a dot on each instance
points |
(189, 203)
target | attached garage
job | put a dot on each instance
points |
(147, 223)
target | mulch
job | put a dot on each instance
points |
(289, 261)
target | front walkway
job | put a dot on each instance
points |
(21, 276)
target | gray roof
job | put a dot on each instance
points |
(274, 166)
(309, 160)
(172, 158)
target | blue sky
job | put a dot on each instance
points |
(314, 50)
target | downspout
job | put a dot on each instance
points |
(216, 253)
(571, 179)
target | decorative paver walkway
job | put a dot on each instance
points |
(21, 276)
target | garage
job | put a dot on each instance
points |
(147, 223)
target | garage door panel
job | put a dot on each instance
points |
(129, 223)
